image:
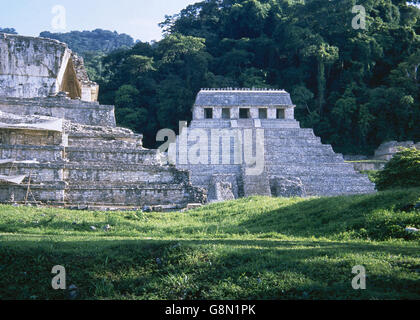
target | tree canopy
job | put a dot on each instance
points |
(8, 30)
(355, 87)
(92, 46)
(97, 40)
(402, 171)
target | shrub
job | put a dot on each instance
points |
(402, 171)
(372, 174)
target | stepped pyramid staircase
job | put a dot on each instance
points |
(290, 152)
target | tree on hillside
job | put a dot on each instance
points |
(92, 46)
(356, 88)
(97, 40)
(402, 171)
(8, 30)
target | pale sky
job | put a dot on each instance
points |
(137, 18)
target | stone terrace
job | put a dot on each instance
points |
(61, 151)
(88, 165)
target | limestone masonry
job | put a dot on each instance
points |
(294, 161)
(387, 150)
(59, 146)
(36, 67)
(61, 151)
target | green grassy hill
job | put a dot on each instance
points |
(255, 248)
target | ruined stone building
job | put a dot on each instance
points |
(228, 124)
(387, 150)
(59, 146)
(35, 67)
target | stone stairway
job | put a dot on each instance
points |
(289, 153)
(96, 166)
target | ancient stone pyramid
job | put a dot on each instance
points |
(294, 162)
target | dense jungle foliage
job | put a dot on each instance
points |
(356, 87)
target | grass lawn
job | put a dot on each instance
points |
(368, 161)
(255, 248)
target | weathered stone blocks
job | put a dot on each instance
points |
(85, 113)
(223, 188)
(36, 67)
(387, 150)
(295, 162)
(287, 187)
(81, 156)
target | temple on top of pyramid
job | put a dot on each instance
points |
(224, 129)
(243, 104)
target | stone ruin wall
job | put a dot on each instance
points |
(383, 154)
(86, 113)
(36, 67)
(90, 165)
(387, 150)
(85, 160)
